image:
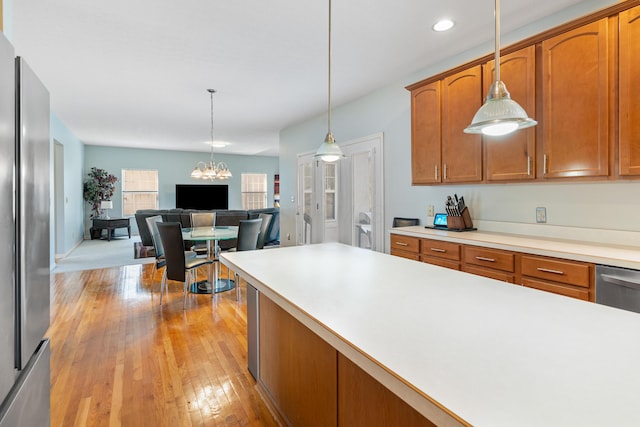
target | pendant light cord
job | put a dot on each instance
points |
(497, 40)
(329, 75)
(211, 91)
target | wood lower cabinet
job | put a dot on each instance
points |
(575, 93)
(513, 157)
(426, 134)
(629, 93)
(493, 263)
(461, 152)
(405, 246)
(570, 278)
(438, 252)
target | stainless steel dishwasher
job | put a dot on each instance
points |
(618, 287)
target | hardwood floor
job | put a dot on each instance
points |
(119, 359)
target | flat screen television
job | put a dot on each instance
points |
(206, 197)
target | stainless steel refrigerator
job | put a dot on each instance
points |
(24, 244)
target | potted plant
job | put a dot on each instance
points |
(98, 187)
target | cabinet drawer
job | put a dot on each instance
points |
(405, 243)
(491, 258)
(569, 272)
(556, 288)
(440, 249)
(490, 273)
(441, 262)
(404, 254)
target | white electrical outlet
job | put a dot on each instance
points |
(430, 211)
(541, 215)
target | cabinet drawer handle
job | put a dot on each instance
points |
(436, 172)
(547, 270)
(402, 244)
(438, 250)
(481, 258)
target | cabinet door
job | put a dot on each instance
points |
(629, 140)
(426, 135)
(512, 157)
(461, 152)
(576, 102)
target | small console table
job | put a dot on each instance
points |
(110, 225)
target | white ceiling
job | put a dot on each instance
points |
(135, 73)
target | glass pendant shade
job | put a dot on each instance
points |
(500, 114)
(329, 151)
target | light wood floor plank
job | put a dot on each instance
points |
(120, 359)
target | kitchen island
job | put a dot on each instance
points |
(458, 348)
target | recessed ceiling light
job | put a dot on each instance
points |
(217, 144)
(443, 25)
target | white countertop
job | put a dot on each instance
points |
(448, 342)
(619, 256)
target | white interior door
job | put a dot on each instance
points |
(361, 193)
(343, 201)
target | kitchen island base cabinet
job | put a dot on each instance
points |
(363, 401)
(309, 383)
(297, 368)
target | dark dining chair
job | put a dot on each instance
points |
(248, 231)
(157, 245)
(405, 222)
(264, 229)
(178, 266)
(152, 224)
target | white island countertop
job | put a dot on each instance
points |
(461, 349)
(597, 253)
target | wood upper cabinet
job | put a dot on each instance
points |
(513, 157)
(575, 93)
(461, 152)
(629, 101)
(426, 135)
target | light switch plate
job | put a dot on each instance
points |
(541, 215)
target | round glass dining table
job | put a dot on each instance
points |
(211, 235)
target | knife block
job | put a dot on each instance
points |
(455, 222)
(462, 222)
(466, 217)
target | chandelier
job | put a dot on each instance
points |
(210, 170)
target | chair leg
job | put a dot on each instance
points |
(188, 278)
(163, 285)
(153, 274)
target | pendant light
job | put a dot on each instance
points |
(210, 170)
(500, 114)
(329, 151)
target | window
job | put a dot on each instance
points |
(254, 190)
(139, 190)
(330, 191)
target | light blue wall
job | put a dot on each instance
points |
(387, 110)
(73, 203)
(7, 18)
(174, 167)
